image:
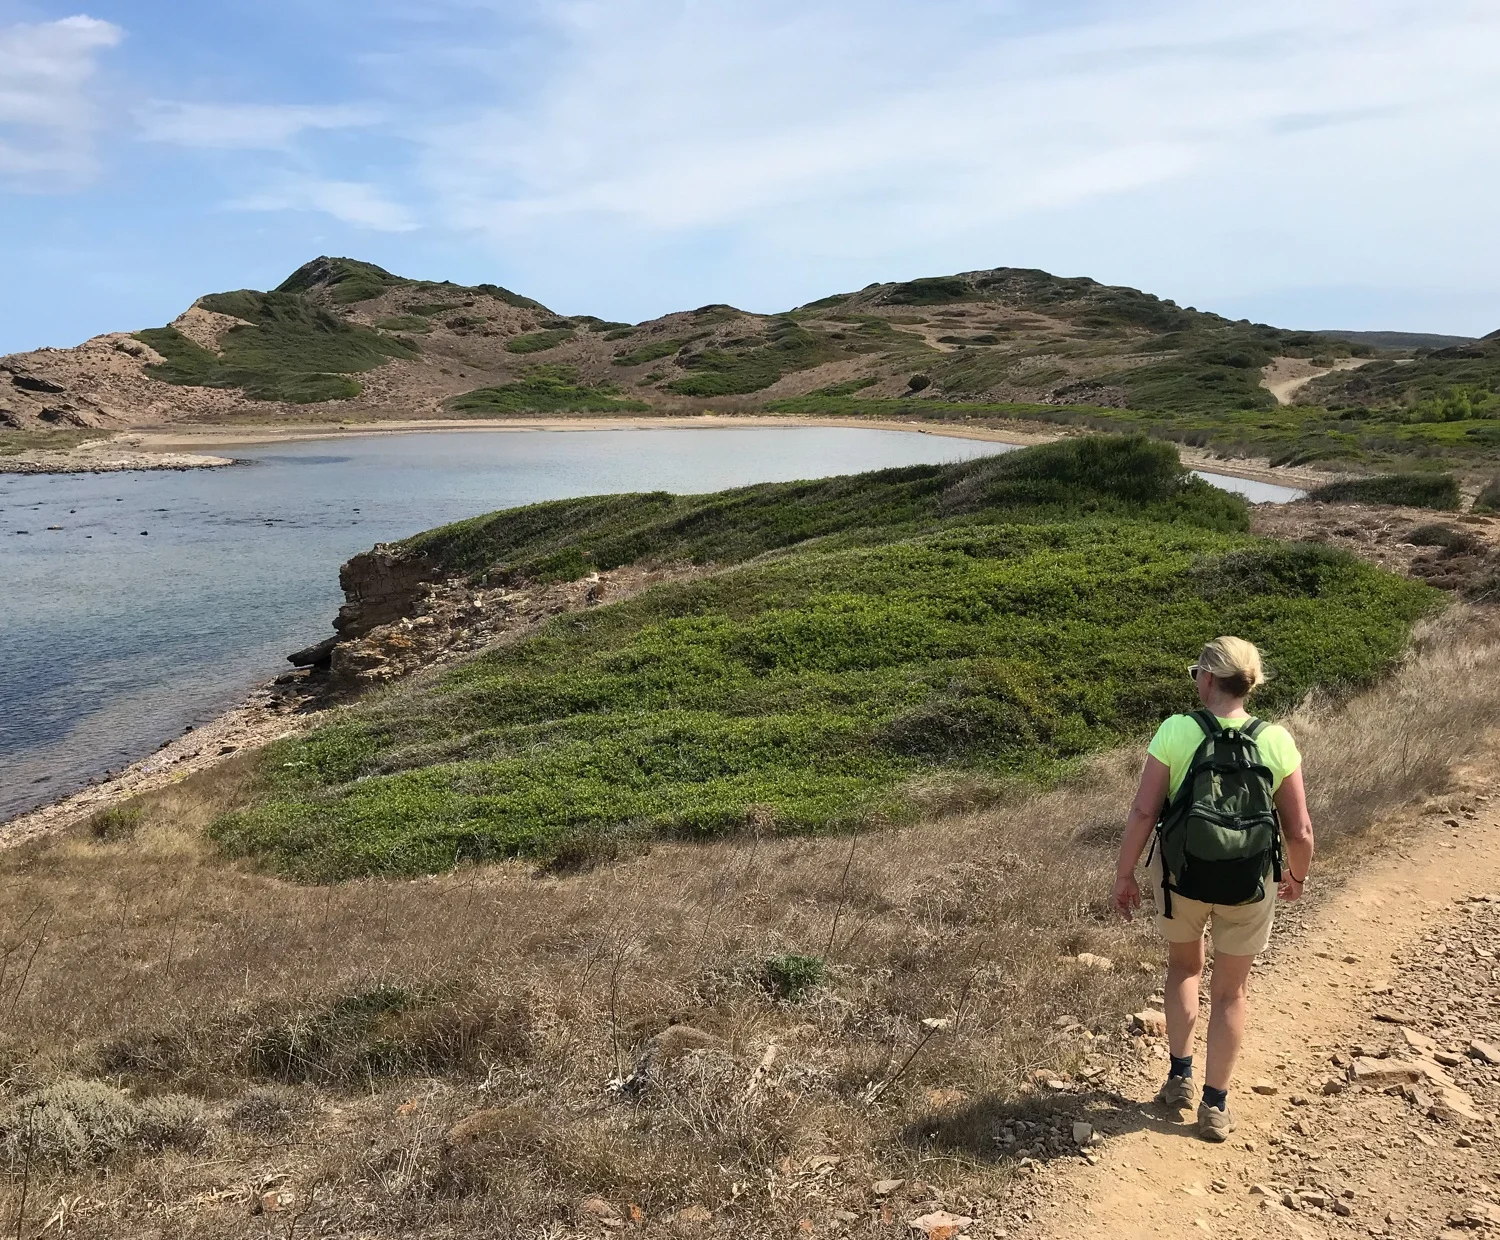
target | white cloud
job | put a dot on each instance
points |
(670, 116)
(251, 126)
(352, 202)
(906, 135)
(50, 115)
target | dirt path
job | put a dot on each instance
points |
(1409, 943)
(1284, 376)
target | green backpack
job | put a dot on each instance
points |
(1220, 832)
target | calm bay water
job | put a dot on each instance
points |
(164, 597)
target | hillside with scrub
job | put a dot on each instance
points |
(348, 342)
(867, 647)
(770, 899)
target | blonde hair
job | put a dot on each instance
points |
(1234, 663)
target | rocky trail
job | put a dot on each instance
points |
(1367, 1092)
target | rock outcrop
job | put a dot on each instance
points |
(402, 613)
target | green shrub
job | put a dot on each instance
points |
(547, 390)
(117, 822)
(509, 298)
(1411, 490)
(791, 976)
(652, 351)
(405, 323)
(383, 1031)
(918, 383)
(1000, 617)
(849, 386)
(538, 342)
(1437, 535)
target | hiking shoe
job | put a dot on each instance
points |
(1177, 1094)
(1214, 1124)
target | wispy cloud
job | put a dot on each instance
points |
(50, 115)
(666, 116)
(352, 202)
(246, 126)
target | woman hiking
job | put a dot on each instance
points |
(1224, 837)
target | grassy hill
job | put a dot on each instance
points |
(347, 340)
(869, 642)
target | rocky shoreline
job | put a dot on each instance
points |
(401, 617)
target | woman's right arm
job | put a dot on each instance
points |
(1297, 831)
(1144, 811)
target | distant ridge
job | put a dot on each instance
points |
(1399, 340)
(344, 340)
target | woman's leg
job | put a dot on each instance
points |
(1226, 1021)
(1184, 972)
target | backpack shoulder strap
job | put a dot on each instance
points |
(1254, 728)
(1205, 720)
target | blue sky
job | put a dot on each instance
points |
(1309, 163)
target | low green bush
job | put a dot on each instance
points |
(548, 390)
(117, 822)
(651, 351)
(538, 342)
(792, 976)
(500, 293)
(1410, 490)
(405, 323)
(1437, 535)
(1488, 499)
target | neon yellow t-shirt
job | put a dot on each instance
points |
(1178, 738)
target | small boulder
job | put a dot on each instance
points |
(1485, 1052)
(1267, 1089)
(1418, 1042)
(1083, 1132)
(1149, 1022)
(884, 1188)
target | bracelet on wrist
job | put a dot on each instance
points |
(1299, 881)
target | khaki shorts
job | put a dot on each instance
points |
(1239, 929)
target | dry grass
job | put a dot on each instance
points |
(433, 1056)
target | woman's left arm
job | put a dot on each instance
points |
(1144, 811)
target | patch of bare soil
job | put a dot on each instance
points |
(1283, 377)
(1450, 551)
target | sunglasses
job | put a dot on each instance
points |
(1193, 670)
